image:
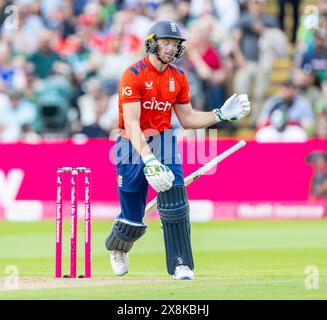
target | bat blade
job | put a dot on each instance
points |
(152, 205)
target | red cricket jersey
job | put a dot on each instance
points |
(156, 91)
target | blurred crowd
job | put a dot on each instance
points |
(61, 60)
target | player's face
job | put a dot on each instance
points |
(167, 49)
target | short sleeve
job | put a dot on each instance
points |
(183, 96)
(129, 90)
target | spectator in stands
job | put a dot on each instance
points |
(320, 108)
(273, 44)
(296, 13)
(298, 108)
(32, 82)
(44, 58)
(218, 34)
(122, 47)
(94, 130)
(316, 60)
(15, 112)
(108, 10)
(78, 6)
(98, 39)
(138, 23)
(12, 76)
(87, 101)
(227, 11)
(83, 61)
(201, 7)
(318, 184)
(246, 36)
(305, 80)
(322, 5)
(29, 135)
(122, 38)
(47, 7)
(61, 18)
(93, 15)
(109, 120)
(183, 11)
(280, 130)
(206, 63)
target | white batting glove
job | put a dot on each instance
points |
(235, 107)
(159, 176)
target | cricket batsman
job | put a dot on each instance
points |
(147, 153)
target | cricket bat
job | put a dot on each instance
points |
(152, 205)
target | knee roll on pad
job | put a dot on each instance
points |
(174, 210)
(124, 233)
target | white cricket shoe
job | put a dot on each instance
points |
(119, 262)
(183, 272)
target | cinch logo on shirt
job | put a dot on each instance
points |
(156, 105)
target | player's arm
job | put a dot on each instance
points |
(131, 112)
(234, 108)
(193, 119)
(130, 96)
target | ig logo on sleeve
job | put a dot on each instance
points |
(127, 91)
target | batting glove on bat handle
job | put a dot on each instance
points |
(159, 176)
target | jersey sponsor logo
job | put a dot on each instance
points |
(127, 91)
(148, 86)
(171, 85)
(157, 105)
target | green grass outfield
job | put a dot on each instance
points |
(233, 259)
